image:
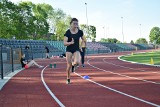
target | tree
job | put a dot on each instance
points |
(91, 31)
(110, 40)
(132, 42)
(18, 20)
(7, 16)
(27, 20)
(154, 35)
(40, 24)
(118, 41)
(141, 41)
(61, 27)
(23, 22)
(103, 40)
(60, 23)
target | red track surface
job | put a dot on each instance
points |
(27, 90)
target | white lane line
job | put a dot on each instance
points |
(137, 62)
(48, 89)
(128, 67)
(122, 93)
(122, 74)
(7, 78)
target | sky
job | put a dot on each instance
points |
(139, 16)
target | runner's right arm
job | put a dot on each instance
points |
(67, 43)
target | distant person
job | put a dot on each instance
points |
(27, 47)
(62, 55)
(83, 45)
(27, 52)
(26, 64)
(14, 38)
(47, 52)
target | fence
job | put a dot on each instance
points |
(10, 57)
(97, 51)
(9, 60)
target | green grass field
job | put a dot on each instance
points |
(144, 57)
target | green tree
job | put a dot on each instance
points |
(40, 23)
(91, 31)
(60, 29)
(7, 16)
(118, 41)
(23, 22)
(27, 20)
(110, 40)
(103, 40)
(60, 22)
(17, 19)
(154, 35)
(141, 41)
(132, 42)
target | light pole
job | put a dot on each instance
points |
(140, 30)
(107, 32)
(104, 31)
(86, 19)
(122, 29)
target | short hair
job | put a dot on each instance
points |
(74, 19)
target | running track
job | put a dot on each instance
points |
(112, 83)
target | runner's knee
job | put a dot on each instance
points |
(76, 62)
(69, 62)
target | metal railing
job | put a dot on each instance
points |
(10, 57)
(97, 51)
(9, 60)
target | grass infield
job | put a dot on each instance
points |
(144, 57)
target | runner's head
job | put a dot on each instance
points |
(74, 23)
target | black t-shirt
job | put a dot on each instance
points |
(23, 65)
(75, 37)
(47, 50)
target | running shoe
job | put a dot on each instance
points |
(73, 68)
(68, 81)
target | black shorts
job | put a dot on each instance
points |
(73, 50)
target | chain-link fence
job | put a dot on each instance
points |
(16, 58)
(1, 64)
(9, 60)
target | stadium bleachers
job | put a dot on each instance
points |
(125, 47)
(131, 46)
(118, 47)
(143, 46)
(37, 50)
(113, 47)
(58, 44)
(37, 47)
(95, 47)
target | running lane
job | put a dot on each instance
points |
(140, 67)
(84, 93)
(26, 90)
(126, 80)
